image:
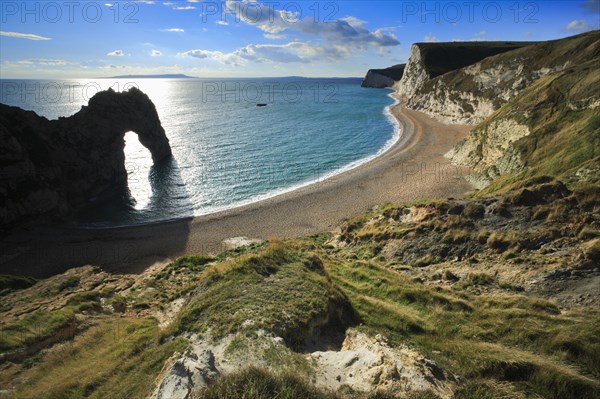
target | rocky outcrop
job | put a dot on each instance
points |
(363, 363)
(488, 151)
(54, 167)
(444, 81)
(381, 78)
(370, 364)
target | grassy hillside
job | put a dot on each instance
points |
(561, 112)
(532, 57)
(472, 284)
(490, 296)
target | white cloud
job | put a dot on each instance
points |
(578, 25)
(28, 36)
(221, 22)
(349, 31)
(179, 30)
(45, 61)
(429, 38)
(479, 36)
(116, 53)
(155, 53)
(390, 28)
(41, 62)
(273, 36)
(353, 21)
(332, 40)
(179, 8)
(299, 52)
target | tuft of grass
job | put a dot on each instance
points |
(256, 383)
(426, 260)
(502, 241)
(456, 236)
(480, 279)
(474, 210)
(187, 264)
(10, 283)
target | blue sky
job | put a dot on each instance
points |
(241, 38)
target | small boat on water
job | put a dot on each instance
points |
(261, 104)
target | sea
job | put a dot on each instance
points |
(227, 150)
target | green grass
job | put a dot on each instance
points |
(31, 331)
(272, 354)
(278, 290)
(255, 383)
(520, 342)
(475, 323)
(185, 264)
(115, 359)
(562, 139)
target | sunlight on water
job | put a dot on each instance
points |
(138, 162)
(226, 150)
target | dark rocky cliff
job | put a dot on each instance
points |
(380, 78)
(54, 167)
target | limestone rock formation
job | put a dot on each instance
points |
(380, 78)
(370, 364)
(363, 363)
(429, 60)
(467, 82)
(535, 129)
(488, 151)
(54, 167)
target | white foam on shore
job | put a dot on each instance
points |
(396, 134)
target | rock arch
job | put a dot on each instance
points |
(54, 167)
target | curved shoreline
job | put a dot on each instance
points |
(413, 167)
(388, 145)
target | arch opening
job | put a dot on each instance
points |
(138, 163)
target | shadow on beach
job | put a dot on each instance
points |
(47, 250)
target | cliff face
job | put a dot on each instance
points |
(522, 99)
(53, 167)
(429, 60)
(380, 78)
(471, 89)
(551, 127)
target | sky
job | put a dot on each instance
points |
(252, 38)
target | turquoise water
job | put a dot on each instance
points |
(227, 150)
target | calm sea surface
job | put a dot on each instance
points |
(227, 151)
